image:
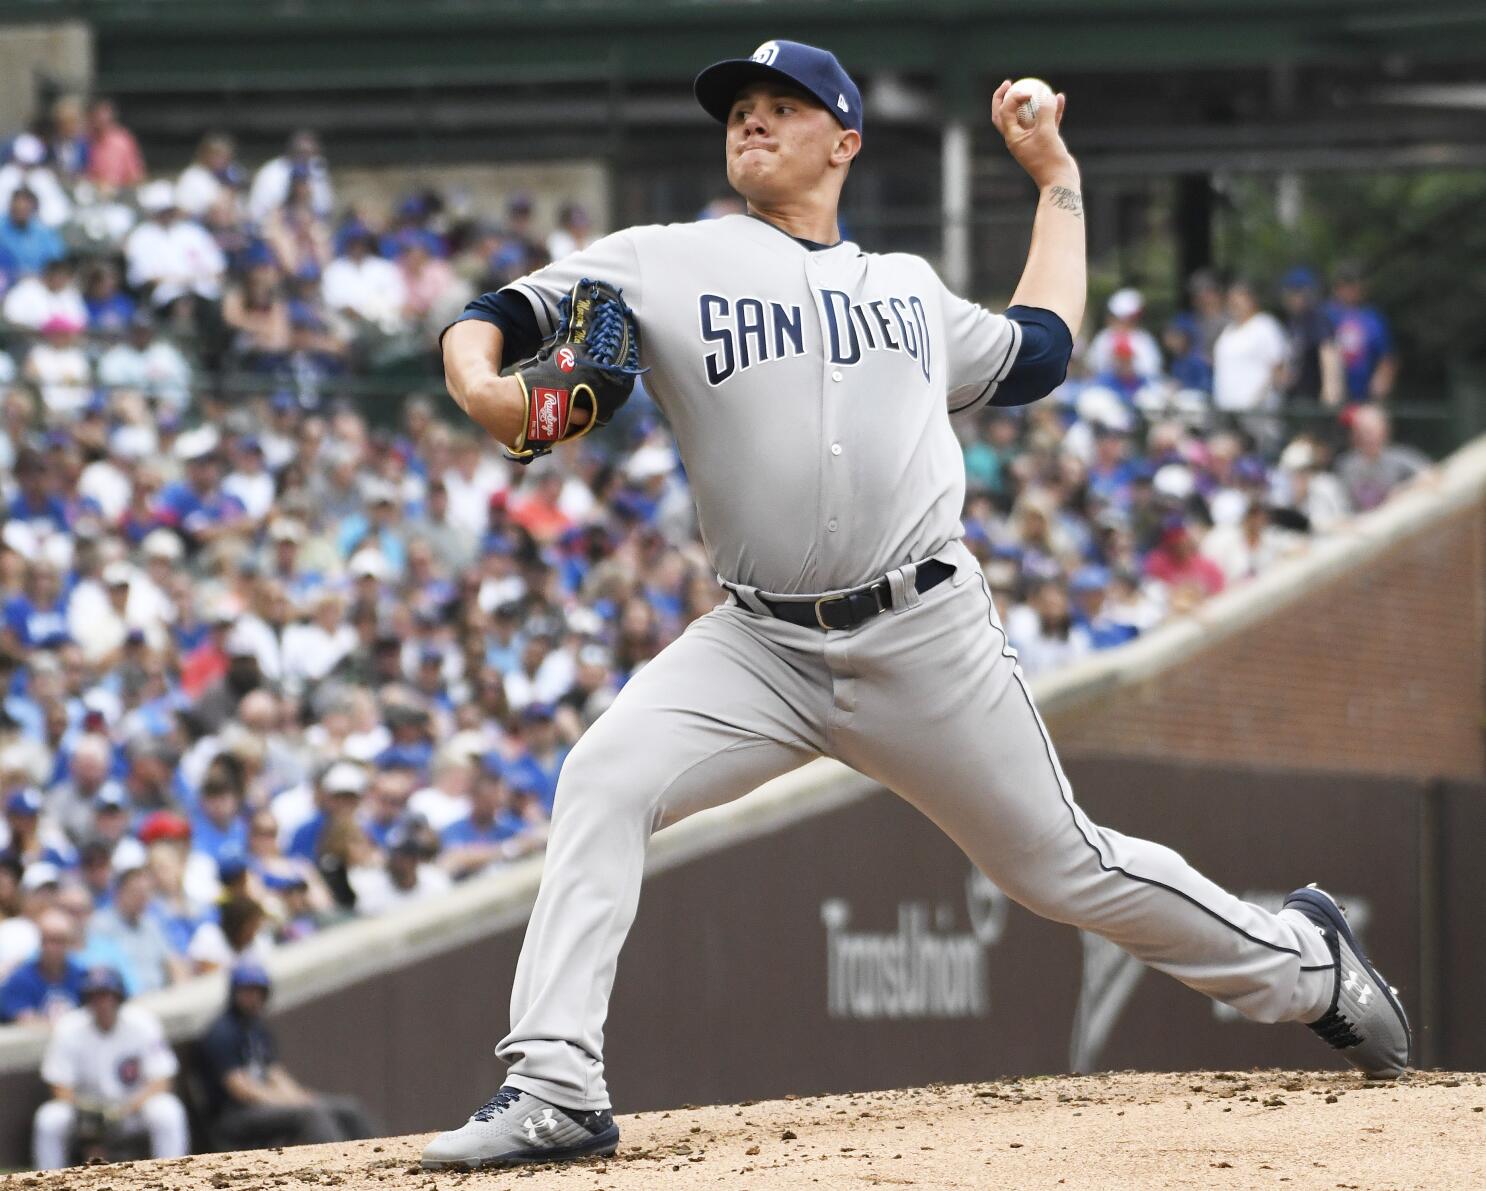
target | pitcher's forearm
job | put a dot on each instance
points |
(1056, 274)
(472, 354)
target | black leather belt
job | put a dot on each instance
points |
(847, 609)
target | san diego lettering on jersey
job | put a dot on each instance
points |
(749, 331)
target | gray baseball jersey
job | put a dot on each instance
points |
(810, 394)
(809, 391)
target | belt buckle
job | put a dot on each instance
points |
(828, 599)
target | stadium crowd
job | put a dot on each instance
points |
(270, 658)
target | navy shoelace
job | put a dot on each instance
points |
(497, 1103)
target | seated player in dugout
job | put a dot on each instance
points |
(810, 386)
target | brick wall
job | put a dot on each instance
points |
(1380, 671)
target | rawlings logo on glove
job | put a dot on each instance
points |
(593, 358)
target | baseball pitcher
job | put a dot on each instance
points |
(810, 387)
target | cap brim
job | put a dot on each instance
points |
(718, 85)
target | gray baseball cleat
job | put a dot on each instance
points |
(1365, 1021)
(514, 1127)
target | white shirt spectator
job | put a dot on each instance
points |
(197, 190)
(209, 946)
(1244, 361)
(63, 375)
(20, 939)
(254, 489)
(1146, 355)
(159, 371)
(177, 258)
(376, 894)
(271, 187)
(106, 482)
(1239, 558)
(469, 498)
(311, 652)
(32, 304)
(81, 1057)
(371, 288)
(53, 207)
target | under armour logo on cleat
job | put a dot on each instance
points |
(1355, 985)
(547, 1120)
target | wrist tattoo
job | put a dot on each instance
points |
(1067, 200)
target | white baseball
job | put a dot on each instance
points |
(1037, 93)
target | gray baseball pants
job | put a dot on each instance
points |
(926, 699)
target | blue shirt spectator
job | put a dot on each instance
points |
(27, 244)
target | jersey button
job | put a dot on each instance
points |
(836, 374)
(835, 448)
(831, 525)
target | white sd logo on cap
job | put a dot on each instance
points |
(766, 53)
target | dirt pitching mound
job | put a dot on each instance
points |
(1121, 1130)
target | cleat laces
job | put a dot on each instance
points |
(502, 1100)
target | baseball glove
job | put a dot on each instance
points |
(591, 361)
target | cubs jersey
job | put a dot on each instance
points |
(809, 391)
(108, 1067)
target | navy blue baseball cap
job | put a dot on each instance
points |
(813, 70)
(103, 978)
(248, 973)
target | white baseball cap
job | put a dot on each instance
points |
(344, 778)
(1126, 303)
(157, 196)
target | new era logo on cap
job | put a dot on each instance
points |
(841, 103)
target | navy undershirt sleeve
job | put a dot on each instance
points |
(1042, 361)
(507, 309)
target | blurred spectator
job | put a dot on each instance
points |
(170, 257)
(1177, 562)
(1208, 314)
(1250, 546)
(26, 243)
(114, 159)
(1249, 361)
(1123, 335)
(407, 877)
(34, 301)
(1094, 613)
(68, 144)
(1376, 465)
(213, 176)
(109, 1060)
(1313, 369)
(363, 286)
(147, 364)
(40, 990)
(272, 182)
(519, 253)
(35, 888)
(297, 234)
(58, 366)
(1369, 362)
(27, 171)
(494, 831)
(236, 935)
(252, 1099)
(109, 309)
(1043, 631)
(1306, 487)
(257, 313)
(574, 232)
(127, 925)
